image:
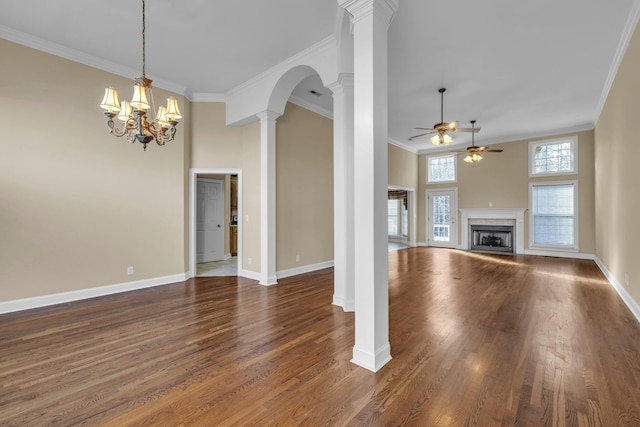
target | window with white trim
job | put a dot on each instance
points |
(441, 168)
(392, 217)
(553, 218)
(553, 157)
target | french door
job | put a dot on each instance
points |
(442, 212)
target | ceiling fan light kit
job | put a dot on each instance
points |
(473, 152)
(441, 138)
(443, 128)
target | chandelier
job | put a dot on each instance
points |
(131, 117)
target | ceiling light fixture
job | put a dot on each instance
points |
(132, 116)
(442, 137)
(473, 155)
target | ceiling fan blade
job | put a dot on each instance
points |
(431, 129)
(411, 138)
(474, 130)
(488, 150)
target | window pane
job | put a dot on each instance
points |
(392, 216)
(405, 221)
(441, 218)
(553, 158)
(442, 168)
(553, 215)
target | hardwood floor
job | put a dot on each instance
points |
(483, 340)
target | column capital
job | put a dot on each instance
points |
(344, 80)
(362, 8)
(268, 115)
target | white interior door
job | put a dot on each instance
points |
(210, 221)
(442, 210)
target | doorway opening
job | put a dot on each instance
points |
(215, 231)
(400, 217)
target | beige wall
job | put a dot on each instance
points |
(78, 205)
(304, 188)
(502, 179)
(217, 146)
(617, 147)
(403, 167)
(304, 179)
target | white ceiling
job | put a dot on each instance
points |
(521, 69)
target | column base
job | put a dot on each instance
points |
(269, 281)
(348, 306)
(371, 361)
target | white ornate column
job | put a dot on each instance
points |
(268, 197)
(343, 193)
(371, 19)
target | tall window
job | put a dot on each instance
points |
(397, 218)
(554, 214)
(392, 216)
(441, 168)
(553, 157)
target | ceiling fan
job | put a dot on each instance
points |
(474, 151)
(441, 129)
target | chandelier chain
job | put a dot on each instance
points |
(143, 41)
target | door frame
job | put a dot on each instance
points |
(193, 183)
(221, 182)
(412, 214)
(454, 225)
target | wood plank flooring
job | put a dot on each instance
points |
(476, 340)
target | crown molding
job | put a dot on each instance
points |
(403, 146)
(520, 137)
(207, 97)
(629, 29)
(85, 59)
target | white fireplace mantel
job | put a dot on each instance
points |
(516, 214)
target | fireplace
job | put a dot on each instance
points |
(488, 218)
(491, 238)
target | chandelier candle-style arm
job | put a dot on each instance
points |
(131, 119)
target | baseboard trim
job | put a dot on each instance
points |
(253, 275)
(64, 297)
(303, 269)
(628, 299)
(559, 254)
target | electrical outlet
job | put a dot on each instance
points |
(246, 218)
(297, 258)
(129, 271)
(249, 261)
(626, 279)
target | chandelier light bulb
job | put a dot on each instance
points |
(140, 100)
(110, 100)
(126, 111)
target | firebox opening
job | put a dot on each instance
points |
(492, 238)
